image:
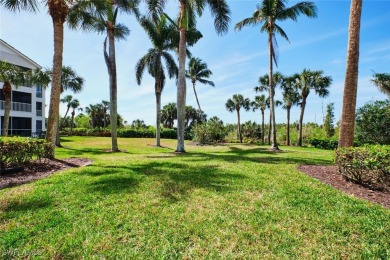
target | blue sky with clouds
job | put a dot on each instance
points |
(237, 59)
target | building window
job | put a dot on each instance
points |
(21, 97)
(20, 126)
(39, 125)
(39, 108)
(39, 93)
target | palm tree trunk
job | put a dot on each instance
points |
(71, 123)
(58, 141)
(181, 83)
(269, 127)
(303, 105)
(271, 94)
(262, 127)
(351, 77)
(288, 126)
(158, 117)
(113, 89)
(7, 89)
(196, 96)
(58, 11)
(239, 126)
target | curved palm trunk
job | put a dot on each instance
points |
(158, 117)
(58, 11)
(303, 105)
(262, 127)
(351, 77)
(196, 96)
(7, 89)
(111, 66)
(181, 83)
(288, 126)
(274, 145)
(239, 126)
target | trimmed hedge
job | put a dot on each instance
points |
(328, 144)
(16, 151)
(124, 132)
(368, 166)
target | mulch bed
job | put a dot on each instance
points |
(330, 175)
(40, 169)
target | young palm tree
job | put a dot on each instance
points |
(74, 105)
(101, 16)
(58, 10)
(187, 19)
(235, 104)
(169, 115)
(382, 81)
(154, 59)
(310, 80)
(260, 103)
(290, 98)
(347, 126)
(106, 107)
(198, 71)
(67, 100)
(267, 14)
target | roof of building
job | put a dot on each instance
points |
(10, 57)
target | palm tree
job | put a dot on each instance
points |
(235, 104)
(260, 102)
(74, 105)
(187, 19)
(154, 60)
(68, 101)
(347, 126)
(106, 107)
(169, 115)
(198, 71)
(307, 81)
(267, 14)
(11, 74)
(382, 81)
(101, 16)
(290, 98)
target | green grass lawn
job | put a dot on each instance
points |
(231, 201)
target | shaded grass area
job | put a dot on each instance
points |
(231, 201)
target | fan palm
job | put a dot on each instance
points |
(13, 75)
(67, 100)
(106, 107)
(74, 105)
(101, 16)
(310, 80)
(169, 115)
(154, 59)
(187, 19)
(198, 71)
(290, 98)
(260, 103)
(267, 14)
(235, 104)
(382, 81)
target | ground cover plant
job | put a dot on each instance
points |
(226, 201)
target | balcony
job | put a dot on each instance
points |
(39, 112)
(16, 106)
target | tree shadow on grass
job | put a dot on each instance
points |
(32, 204)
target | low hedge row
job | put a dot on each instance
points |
(328, 144)
(15, 151)
(368, 165)
(126, 133)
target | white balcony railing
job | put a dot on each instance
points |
(16, 106)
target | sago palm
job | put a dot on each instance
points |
(154, 60)
(306, 81)
(235, 104)
(187, 19)
(198, 72)
(101, 16)
(267, 14)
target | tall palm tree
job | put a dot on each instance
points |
(290, 97)
(187, 19)
(68, 101)
(260, 103)
(101, 16)
(267, 14)
(58, 10)
(310, 80)
(198, 71)
(382, 81)
(106, 107)
(74, 105)
(154, 59)
(347, 126)
(235, 104)
(169, 115)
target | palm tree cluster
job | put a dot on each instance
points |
(99, 114)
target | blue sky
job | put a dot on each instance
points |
(237, 59)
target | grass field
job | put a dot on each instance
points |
(232, 201)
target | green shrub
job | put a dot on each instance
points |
(329, 144)
(209, 132)
(16, 151)
(368, 165)
(122, 132)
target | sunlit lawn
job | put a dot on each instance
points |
(232, 201)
